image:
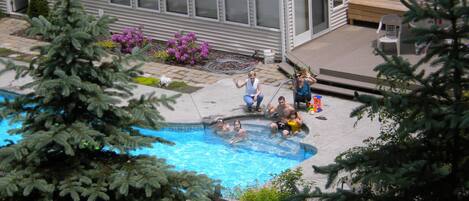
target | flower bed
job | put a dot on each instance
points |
(182, 50)
(200, 58)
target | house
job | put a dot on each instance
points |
(241, 26)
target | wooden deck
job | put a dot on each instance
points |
(373, 10)
(344, 59)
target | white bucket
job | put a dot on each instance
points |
(269, 56)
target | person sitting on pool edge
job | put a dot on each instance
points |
(240, 135)
(280, 114)
(294, 124)
(221, 127)
(253, 91)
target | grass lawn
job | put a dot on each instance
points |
(182, 87)
(4, 52)
(179, 86)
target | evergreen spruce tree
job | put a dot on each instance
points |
(75, 138)
(422, 152)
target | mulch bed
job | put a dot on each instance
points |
(217, 61)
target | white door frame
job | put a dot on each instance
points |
(9, 8)
(310, 35)
(305, 36)
(328, 20)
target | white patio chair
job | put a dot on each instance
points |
(392, 31)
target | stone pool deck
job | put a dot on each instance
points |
(223, 99)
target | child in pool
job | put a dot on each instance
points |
(240, 135)
(221, 127)
(294, 124)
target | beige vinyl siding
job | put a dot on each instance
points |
(338, 16)
(162, 26)
(3, 6)
(289, 24)
(51, 3)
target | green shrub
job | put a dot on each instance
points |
(162, 56)
(263, 194)
(37, 8)
(2, 14)
(288, 181)
(149, 81)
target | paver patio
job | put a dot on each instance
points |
(267, 73)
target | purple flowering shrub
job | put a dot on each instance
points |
(184, 49)
(129, 39)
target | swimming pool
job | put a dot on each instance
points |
(198, 148)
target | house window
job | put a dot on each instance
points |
(267, 13)
(121, 2)
(206, 8)
(237, 11)
(177, 6)
(338, 3)
(148, 4)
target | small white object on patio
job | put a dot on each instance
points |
(269, 56)
(164, 81)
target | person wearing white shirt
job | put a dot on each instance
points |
(253, 91)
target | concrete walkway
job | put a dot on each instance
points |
(222, 99)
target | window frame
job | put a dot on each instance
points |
(174, 13)
(206, 18)
(263, 27)
(120, 5)
(237, 23)
(148, 9)
(338, 6)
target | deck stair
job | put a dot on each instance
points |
(286, 69)
(331, 82)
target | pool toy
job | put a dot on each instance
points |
(315, 105)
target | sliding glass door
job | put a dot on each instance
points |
(302, 21)
(320, 15)
(311, 17)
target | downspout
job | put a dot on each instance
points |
(282, 28)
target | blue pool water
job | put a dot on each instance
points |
(251, 162)
(5, 126)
